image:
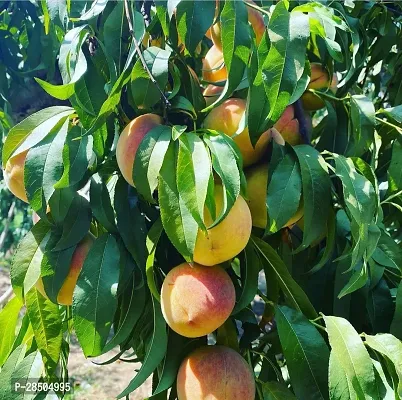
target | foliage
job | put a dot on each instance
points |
(331, 325)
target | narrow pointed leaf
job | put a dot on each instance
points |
(306, 353)
(94, 297)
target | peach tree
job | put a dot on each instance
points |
(217, 195)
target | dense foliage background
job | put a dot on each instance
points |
(331, 324)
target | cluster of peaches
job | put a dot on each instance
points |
(198, 298)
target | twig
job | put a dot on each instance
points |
(299, 113)
(137, 47)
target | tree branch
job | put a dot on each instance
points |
(299, 113)
(137, 47)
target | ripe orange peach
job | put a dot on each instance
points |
(211, 93)
(213, 66)
(257, 180)
(226, 118)
(227, 239)
(65, 295)
(255, 19)
(215, 373)
(130, 140)
(319, 80)
(196, 300)
(288, 126)
(14, 175)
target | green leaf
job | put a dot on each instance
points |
(116, 35)
(276, 391)
(149, 159)
(329, 244)
(32, 130)
(359, 279)
(316, 193)
(236, 45)
(306, 353)
(182, 104)
(7, 371)
(225, 164)
(8, 325)
(76, 224)
(283, 193)
(25, 268)
(177, 348)
(194, 18)
(283, 66)
(391, 348)
(97, 8)
(60, 204)
(352, 356)
(101, 204)
(293, 292)
(77, 154)
(394, 112)
(29, 370)
(193, 172)
(396, 326)
(146, 93)
(171, 6)
(157, 347)
(72, 64)
(58, 10)
(385, 391)
(340, 388)
(358, 191)
(177, 220)
(227, 335)
(94, 298)
(249, 271)
(395, 169)
(47, 327)
(363, 123)
(114, 95)
(128, 215)
(43, 167)
(131, 306)
(153, 237)
(55, 267)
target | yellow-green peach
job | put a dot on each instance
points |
(227, 239)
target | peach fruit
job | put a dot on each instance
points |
(226, 118)
(14, 175)
(255, 19)
(319, 80)
(215, 373)
(130, 140)
(197, 299)
(211, 93)
(213, 66)
(227, 239)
